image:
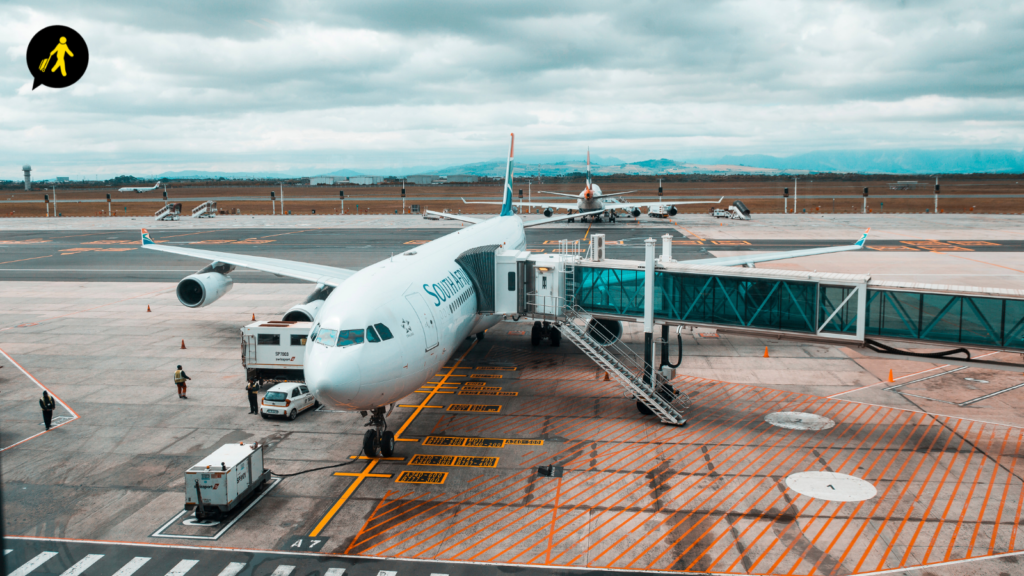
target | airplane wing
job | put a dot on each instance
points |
(558, 218)
(310, 272)
(558, 194)
(603, 195)
(628, 205)
(555, 205)
(460, 217)
(754, 258)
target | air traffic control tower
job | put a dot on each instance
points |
(28, 176)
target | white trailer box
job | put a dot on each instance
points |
(223, 479)
(274, 350)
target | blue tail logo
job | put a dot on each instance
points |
(863, 238)
(146, 240)
(506, 206)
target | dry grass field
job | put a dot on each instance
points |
(760, 196)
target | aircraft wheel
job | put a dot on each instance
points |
(556, 337)
(535, 334)
(479, 336)
(387, 444)
(370, 444)
(644, 409)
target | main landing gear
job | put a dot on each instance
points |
(546, 330)
(379, 441)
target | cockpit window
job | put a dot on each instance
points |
(316, 330)
(350, 337)
(327, 337)
(385, 334)
(371, 335)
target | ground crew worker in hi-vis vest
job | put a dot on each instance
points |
(254, 406)
(179, 379)
(47, 404)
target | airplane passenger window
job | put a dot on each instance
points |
(350, 337)
(327, 337)
(371, 335)
(268, 339)
(385, 334)
(511, 281)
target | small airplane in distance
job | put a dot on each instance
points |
(591, 200)
(138, 189)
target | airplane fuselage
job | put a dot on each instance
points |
(592, 201)
(423, 298)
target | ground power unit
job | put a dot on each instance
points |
(223, 480)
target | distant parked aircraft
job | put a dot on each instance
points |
(591, 200)
(138, 189)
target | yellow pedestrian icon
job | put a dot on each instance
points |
(60, 51)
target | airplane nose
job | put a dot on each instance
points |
(333, 376)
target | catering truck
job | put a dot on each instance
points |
(224, 479)
(274, 351)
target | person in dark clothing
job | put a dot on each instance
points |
(179, 380)
(254, 406)
(47, 404)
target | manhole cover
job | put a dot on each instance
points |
(831, 486)
(799, 421)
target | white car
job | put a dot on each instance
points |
(287, 399)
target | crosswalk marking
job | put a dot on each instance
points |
(132, 565)
(232, 569)
(82, 564)
(33, 564)
(182, 567)
(335, 572)
(387, 573)
(283, 570)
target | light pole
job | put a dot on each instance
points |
(794, 194)
(282, 198)
(341, 195)
(55, 200)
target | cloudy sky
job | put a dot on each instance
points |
(265, 85)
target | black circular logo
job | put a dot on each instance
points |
(57, 57)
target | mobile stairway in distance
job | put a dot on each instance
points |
(207, 209)
(169, 212)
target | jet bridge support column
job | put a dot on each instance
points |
(649, 310)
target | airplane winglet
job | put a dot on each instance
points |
(146, 240)
(863, 239)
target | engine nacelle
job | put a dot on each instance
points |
(548, 212)
(672, 211)
(303, 312)
(203, 289)
(606, 332)
(635, 212)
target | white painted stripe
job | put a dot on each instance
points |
(33, 564)
(7, 551)
(182, 567)
(283, 570)
(387, 573)
(132, 566)
(82, 565)
(232, 569)
(335, 572)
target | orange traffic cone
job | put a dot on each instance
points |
(147, 308)
(253, 316)
(890, 375)
(766, 352)
(606, 378)
(183, 344)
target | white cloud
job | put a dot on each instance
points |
(268, 85)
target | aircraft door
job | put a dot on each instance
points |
(425, 317)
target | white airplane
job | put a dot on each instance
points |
(591, 199)
(138, 189)
(379, 333)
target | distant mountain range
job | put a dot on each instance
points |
(963, 161)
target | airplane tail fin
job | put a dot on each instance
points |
(588, 169)
(863, 238)
(506, 206)
(146, 240)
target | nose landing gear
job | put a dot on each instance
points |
(379, 441)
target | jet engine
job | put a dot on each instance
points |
(203, 288)
(307, 311)
(547, 212)
(606, 332)
(635, 212)
(672, 211)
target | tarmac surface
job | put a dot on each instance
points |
(941, 444)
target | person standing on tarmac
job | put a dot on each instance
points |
(254, 405)
(179, 380)
(47, 404)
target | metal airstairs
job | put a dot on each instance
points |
(169, 212)
(207, 209)
(638, 378)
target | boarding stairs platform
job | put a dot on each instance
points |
(637, 377)
(169, 212)
(207, 209)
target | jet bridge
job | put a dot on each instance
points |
(572, 288)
